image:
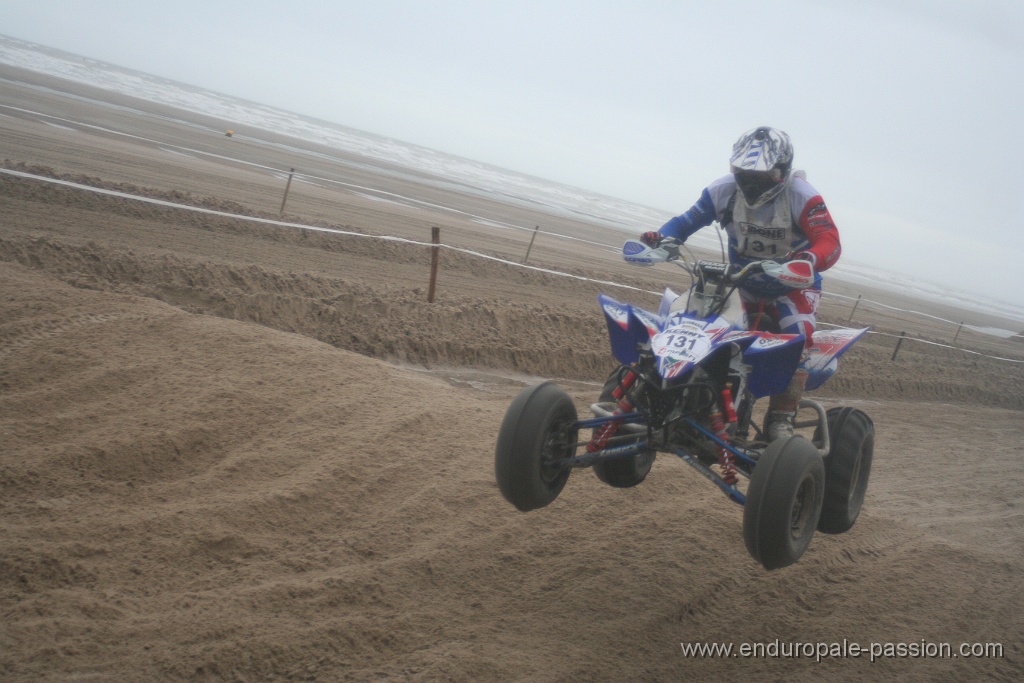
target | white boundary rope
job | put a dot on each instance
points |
(403, 240)
(302, 226)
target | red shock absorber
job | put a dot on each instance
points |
(624, 405)
(624, 385)
(727, 406)
(726, 460)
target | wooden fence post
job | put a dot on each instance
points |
(957, 332)
(435, 253)
(855, 304)
(287, 187)
(898, 344)
(527, 257)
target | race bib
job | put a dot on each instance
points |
(687, 343)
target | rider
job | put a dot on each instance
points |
(768, 212)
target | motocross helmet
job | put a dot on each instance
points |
(761, 161)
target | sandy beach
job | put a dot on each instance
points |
(231, 451)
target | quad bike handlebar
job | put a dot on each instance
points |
(796, 273)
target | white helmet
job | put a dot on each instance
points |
(761, 161)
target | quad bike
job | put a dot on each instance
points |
(687, 383)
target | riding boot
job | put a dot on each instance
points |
(781, 415)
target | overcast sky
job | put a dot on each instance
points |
(906, 114)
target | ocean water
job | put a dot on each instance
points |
(462, 174)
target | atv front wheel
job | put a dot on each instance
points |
(783, 502)
(535, 433)
(847, 468)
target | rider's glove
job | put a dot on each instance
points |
(651, 238)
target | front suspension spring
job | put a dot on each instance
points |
(624, 405)
(726, 460)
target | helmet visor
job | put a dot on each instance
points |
(756, 184)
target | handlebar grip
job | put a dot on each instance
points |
(753, 268)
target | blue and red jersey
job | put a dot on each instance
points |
(797, 220)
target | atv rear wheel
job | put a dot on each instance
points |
(847, 468)
(626, 472)
(783, 502)
(535, 433)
